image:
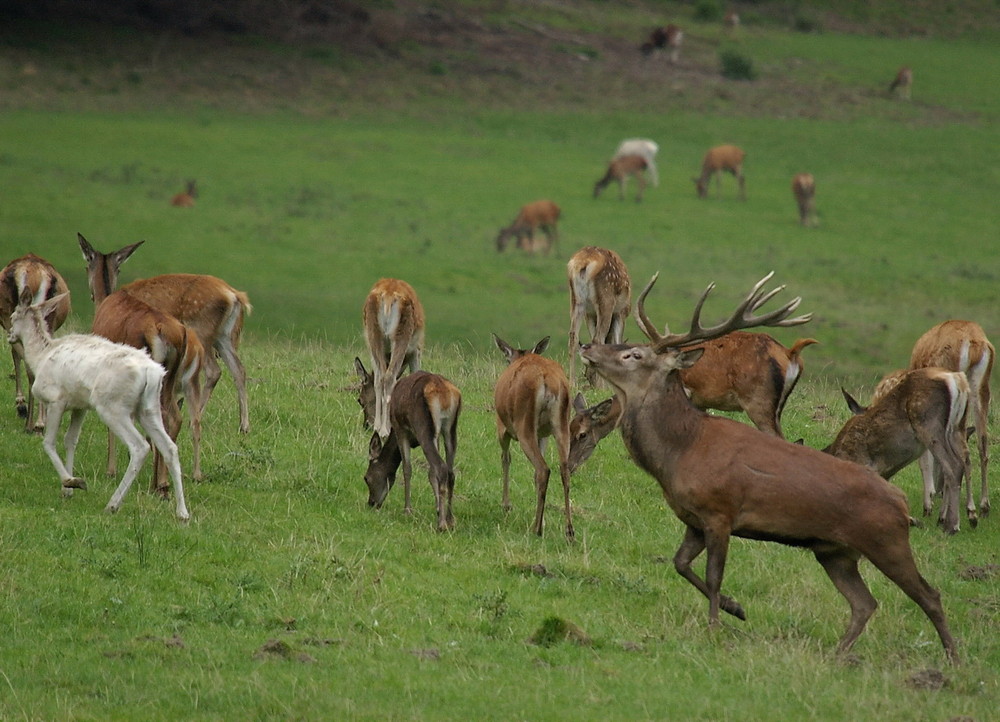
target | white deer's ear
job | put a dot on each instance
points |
(49, 306)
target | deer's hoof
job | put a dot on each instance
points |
(74, 483)
(22, 410)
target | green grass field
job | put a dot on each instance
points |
(286, 597)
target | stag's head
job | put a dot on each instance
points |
(631, 368)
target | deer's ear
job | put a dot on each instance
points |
(541, 346)
(853, 405)
(375, 446)
(686, 359)
(360, 369)
(603, 410)
(579, 403)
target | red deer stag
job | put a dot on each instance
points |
(619, 171)
(122, 318)
(42, 281)
(423, 411)
(186, 199)
(919, 413)
(532, 403)
(722, 158)
(543, 215)
(963, 346)
(600, 292)
(724, 479)
(804, 189)
(207, 305)
(394, 329)
(900, 85)
(669, 37)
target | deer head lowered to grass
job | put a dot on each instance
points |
(723, 478)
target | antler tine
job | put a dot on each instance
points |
(640, 313)
(742, 317)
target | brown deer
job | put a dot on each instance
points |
(722, 158)
(42, 281)
(542, 215)
(963, 346)
(600, 291)
(619, 171)
(900, 85)
(663, 38)
(207, 305)
(804, 190)
(724, 479)
(186, 198)
(394, 329)
(423, 411)
(914, 414)
(532, 403)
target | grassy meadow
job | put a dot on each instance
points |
(286, 597)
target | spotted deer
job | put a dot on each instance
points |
(600, 292)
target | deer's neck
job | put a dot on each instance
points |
(658, 425)
(36, 341)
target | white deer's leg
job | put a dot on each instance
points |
(152, 422)
(49, 444)
(122, 427)
(73, 436)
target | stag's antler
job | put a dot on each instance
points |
(742, 317)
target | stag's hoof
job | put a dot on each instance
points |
(74, 483)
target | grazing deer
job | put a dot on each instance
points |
(748, 372)
(644, 147)
(207, 305)
(394, 329)
(532, 403)
(662, 38)
(804, 189)
(600, 292)
(127, 320)
(185, 199)
(537, 214)
(42, 281)
(619, 171)
(900, 85)
(423, 411)
(81, 371)
(724, 479)
(914, 413)
(963, 346)
(722, 158)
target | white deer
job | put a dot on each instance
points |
(83, 371)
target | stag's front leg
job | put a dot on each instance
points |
(842, 568)
(717, 546)
(690, 548)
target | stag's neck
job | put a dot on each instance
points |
(658, 424)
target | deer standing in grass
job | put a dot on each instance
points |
(186, 198)
(619, 171)
(542, 215)
(665, 38)
(901, 84)
(600, 292)
(914, 414)
(724, 479)
(804, 190)
(642, 147)
(532, 403)
(82, 371)
(423, 411)
(207, 305)
(40, 279)
(394, 329)
(122, 318)
(722, 158)
(963, 346)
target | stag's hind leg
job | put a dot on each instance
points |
(841, 566)
(691, 547)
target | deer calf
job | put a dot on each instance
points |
(722, 158)
(393, 320)
(532, 403)
(724, 479)
(619, 171)
(600, 291)
(423, 411)
(900, 85)
(804, 190)
(81, 371)
(915, 414)
(40, 279)
(542, 215)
